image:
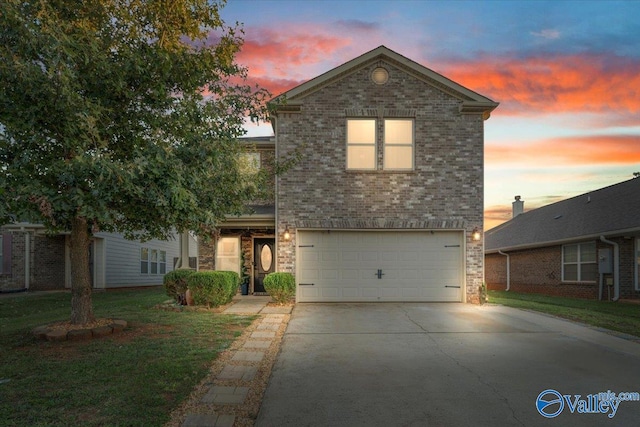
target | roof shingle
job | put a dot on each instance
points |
(607, 211)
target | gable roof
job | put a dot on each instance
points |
(609, 211)
(472, 102)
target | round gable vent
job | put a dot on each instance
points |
(380, 76)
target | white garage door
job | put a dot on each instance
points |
(379, 266)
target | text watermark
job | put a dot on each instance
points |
(550, 403)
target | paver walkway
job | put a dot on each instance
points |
(246, 369)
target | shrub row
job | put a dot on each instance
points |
(175, 284)
(216, 288)
(281, 286)
(210, 288)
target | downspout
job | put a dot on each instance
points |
(616, 267)
(183, 261)
(508, 269)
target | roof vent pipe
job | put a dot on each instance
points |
(518, 207)
(616, 267)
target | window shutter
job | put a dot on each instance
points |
(6, 253)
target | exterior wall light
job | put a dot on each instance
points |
(287, 234)
(475, 234)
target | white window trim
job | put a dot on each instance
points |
(578, 263)
(412, 145)
(1, 254)
(158, 263)
(375, 144)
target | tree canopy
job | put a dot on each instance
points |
(123, 116)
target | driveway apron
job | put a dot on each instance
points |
(391, 364)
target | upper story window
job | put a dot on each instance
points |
(397, 142)
(361, 144)
(579, 262)
(250, 162)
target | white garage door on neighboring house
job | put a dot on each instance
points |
(362, 266)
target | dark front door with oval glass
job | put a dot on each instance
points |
(264, 261)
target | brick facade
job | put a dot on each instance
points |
(48, 263)
(47, 267)
(540, 271)
(14, 279)
(207, 250)
(444, 191)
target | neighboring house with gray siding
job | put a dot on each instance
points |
(386, 200)
(32, 259)
(587, 246)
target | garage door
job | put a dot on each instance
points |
(379, 266)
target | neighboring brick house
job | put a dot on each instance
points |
(31, 259)
(587, 246)
(386, 200)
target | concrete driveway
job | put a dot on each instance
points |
(394, 364)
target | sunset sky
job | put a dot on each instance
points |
(566, 74)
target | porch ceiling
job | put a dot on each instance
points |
(263, 216)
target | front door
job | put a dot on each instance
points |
(264, 261)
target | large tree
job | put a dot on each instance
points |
(120, 115)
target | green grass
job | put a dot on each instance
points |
(134, 378)
(621, 317)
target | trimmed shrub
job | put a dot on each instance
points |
(234, 280)
(213, 288)
(175, 284)
(281, 286)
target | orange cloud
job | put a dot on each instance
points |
(280, 60)
(571, 83)
(577, 150)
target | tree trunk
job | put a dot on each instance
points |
(81, 305)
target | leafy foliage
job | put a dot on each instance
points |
(281, 286)
(124, 113)
(121, 116)
(175, 284)
(213, 288)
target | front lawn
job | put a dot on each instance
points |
(621, 317)
(132, 378)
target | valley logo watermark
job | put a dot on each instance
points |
(550, 403)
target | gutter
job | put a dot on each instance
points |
(616, 267)
(573, 239)
(508, 269)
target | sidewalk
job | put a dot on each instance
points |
(232, 393)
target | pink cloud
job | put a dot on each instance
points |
(279, 60)
(572, 83)
(576, 150)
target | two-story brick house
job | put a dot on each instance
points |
(386, 201)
